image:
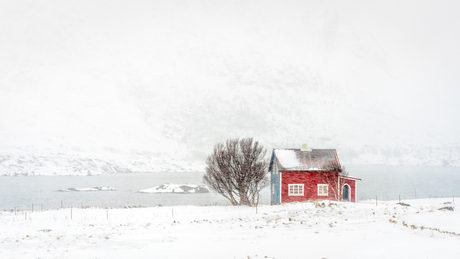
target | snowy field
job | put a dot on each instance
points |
(298, 230)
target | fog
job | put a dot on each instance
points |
(376, 80)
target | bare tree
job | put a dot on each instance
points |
(237, 171)
(332, 176)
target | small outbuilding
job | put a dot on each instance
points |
(309, 174)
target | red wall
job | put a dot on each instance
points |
(310, 181)
(352, 188)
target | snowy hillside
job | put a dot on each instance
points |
(87, 87)
(86, 165)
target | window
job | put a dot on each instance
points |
(322, 190)
(295, 189)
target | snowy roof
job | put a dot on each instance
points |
(297, 160)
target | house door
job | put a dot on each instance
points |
(346, 192)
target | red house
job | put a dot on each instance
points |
(305, 174)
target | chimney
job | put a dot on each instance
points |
(305, 148)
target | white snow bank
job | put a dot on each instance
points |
(177, 188)
(99, 188)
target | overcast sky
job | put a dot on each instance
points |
(76, 58)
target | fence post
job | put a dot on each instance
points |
(376, 202)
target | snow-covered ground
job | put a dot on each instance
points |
(298, 230)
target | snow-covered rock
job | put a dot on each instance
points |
(177, 188)
(99, 188)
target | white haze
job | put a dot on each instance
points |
(168, 79)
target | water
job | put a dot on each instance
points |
(409, 182)
(386, 182)
(22, 192)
